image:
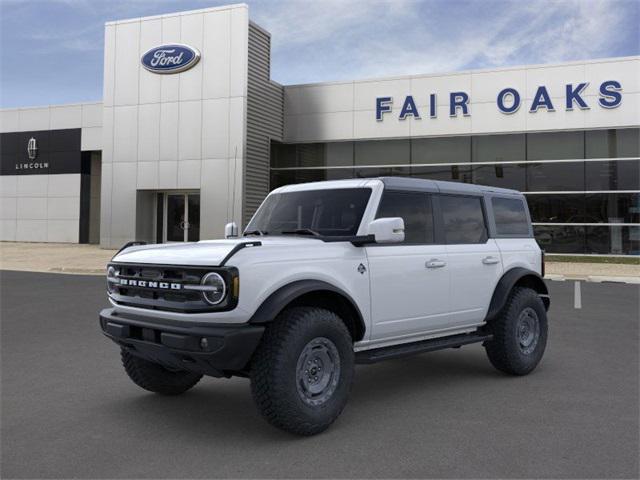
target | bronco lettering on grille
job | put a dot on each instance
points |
(150, 284)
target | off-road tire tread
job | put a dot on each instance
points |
(502, 352)
(155, 378)
(273, 402)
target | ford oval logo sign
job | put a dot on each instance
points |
(171, 58)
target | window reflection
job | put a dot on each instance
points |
(613, 240)
(612, 143)
(557, 208)
(560, 239)
(543, 177)
(504, 176)
(382, 152)
(613, 207)
(450, 173)
(499, 148)
(555, 145)
(441, 150)
(613, 175)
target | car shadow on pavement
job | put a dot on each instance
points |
(221, 407)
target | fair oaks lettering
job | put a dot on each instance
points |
(508, 101)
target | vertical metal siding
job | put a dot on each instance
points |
(265, 120)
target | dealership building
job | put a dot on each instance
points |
(192, 133)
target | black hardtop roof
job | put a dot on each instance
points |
(405, 183)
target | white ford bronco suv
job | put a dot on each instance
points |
(327, 275)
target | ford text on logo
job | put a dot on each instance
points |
(508, 101)
(172, 58)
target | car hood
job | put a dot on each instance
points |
(205, 253)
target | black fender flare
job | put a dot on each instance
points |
(506, 283)
(278, 300)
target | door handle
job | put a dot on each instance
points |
(490, 260)
(435, 263)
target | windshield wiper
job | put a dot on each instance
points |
(301, 231)
(254, 232)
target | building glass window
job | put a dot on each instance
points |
(510, 216)
(311, 155)
(283, 155)
(481, 160)
(613, 208)
(613, 175)
(382, 152)
(449, 173)
(415, 209)
(612, 143)
(463, 219)
(613, 240)
(499, 148)
(290, 177)
(555, 145)
(553, 177)
(560, 238)
(440, 150)
(504, 176)
(381, 172)
(557, 208)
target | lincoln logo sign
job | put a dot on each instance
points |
(172, 58)
(32, 149)
(508, 101)
(32, 154)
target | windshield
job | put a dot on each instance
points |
(331, 212)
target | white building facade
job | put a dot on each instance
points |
(173, 156)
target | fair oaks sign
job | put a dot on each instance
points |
(508, 100)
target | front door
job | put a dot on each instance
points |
(409, 281)
(182, 217)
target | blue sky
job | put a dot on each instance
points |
(51, 51)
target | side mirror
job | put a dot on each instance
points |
(231, 230)
(387, 230)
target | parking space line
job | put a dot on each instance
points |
(577, 295)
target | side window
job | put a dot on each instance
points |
(510, 216)
(463, 219)
(415, 209)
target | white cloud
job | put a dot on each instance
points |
(326, 40)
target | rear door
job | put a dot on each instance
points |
(409, 281)
(474, 259)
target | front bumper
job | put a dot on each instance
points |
(215, 350)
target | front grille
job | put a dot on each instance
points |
(153, 287)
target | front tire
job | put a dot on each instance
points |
(302, 372)
(519, 333)
(156, 378)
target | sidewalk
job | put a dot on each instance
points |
(54, 257)
(592, 272)
(91, 259)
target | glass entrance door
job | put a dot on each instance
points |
(182, 217)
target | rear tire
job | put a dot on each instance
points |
(519, 333)
(302, 371)
(155, 378)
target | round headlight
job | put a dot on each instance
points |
(111, 279)
(215, 288)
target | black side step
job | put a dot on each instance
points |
(431, 345)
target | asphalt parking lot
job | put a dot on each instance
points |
(68, 409)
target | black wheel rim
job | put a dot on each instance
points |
(318, 371)
(528, 330)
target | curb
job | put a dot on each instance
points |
(81, 271)
(593, 278)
